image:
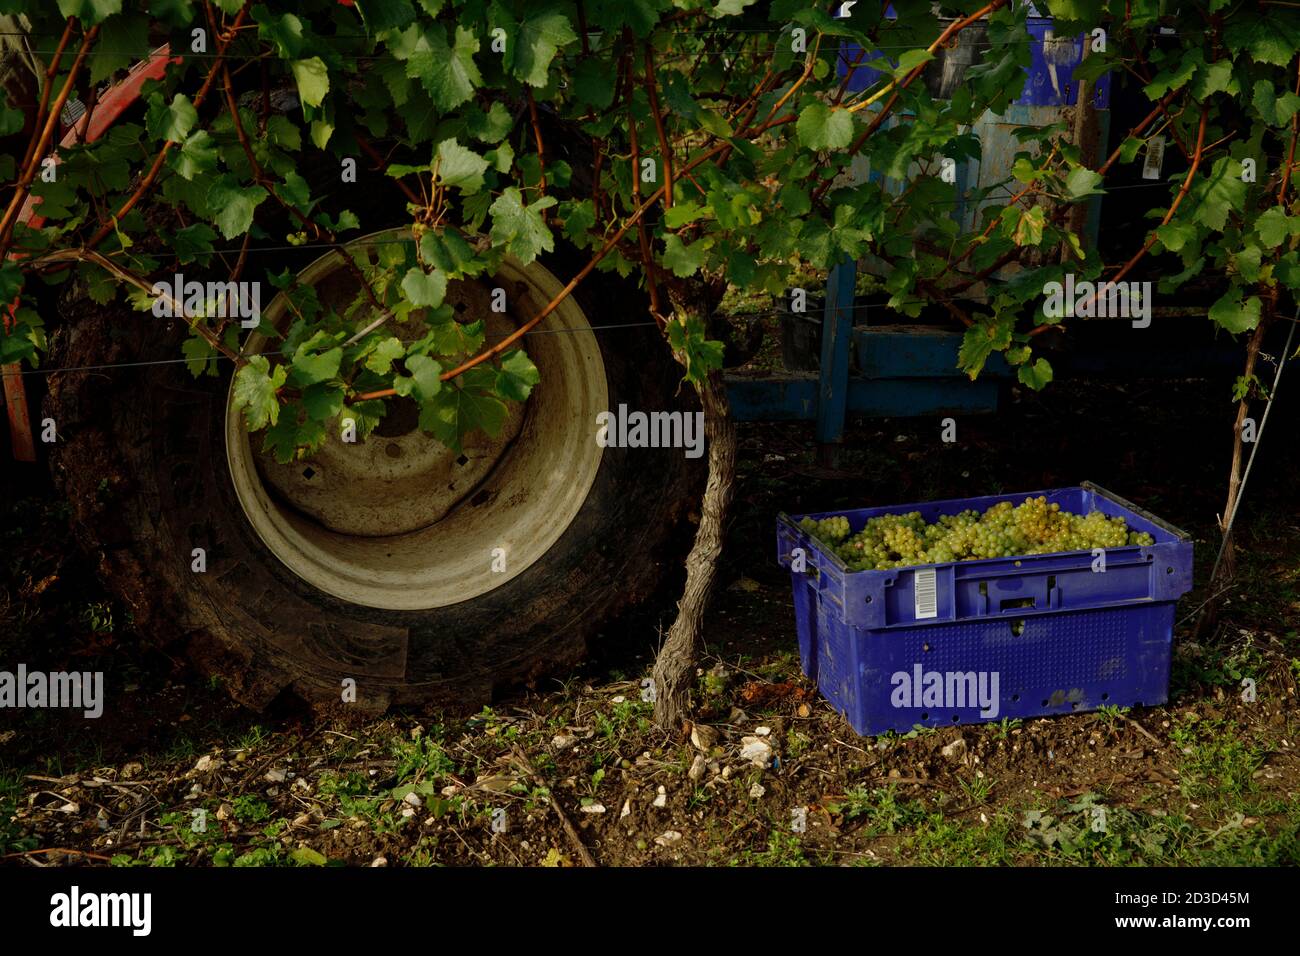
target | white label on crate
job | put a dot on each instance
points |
(1155, 158)
(927, 602)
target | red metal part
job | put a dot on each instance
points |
(111, 105)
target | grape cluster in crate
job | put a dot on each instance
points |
(1002, 531)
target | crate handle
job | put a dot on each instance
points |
(1007, 604)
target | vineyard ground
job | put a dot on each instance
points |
(1207, 779)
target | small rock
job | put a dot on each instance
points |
(302, 819)
(703, 737)
(668, 838)
(757, 791)
(408, 812)
(594, 808)
(413, 799)
(70, 808)
(379, 861)
(763, 731)
(450, 790)
(225, 811)
(563, 741)
(726, 773)
(698, 766)
(617, 700)
(300, 783)
(756, 750)
(275, 776)
(627, 808)
(955, 750)
(208, 762)
(661, 799)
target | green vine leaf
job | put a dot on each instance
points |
(256, 385)
(313, 80)
(519, 228)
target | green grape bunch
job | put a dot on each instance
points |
(1004, 530)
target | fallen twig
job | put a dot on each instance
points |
(526, 765)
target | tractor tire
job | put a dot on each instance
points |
(279, 593)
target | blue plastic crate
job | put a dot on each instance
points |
(1049, 77)
(1006, 637)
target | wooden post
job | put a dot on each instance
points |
(833, 387)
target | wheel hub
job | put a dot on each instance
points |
(399, 521)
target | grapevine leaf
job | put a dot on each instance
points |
(591, 84)
(1176, 77)
(491, 126)
(201, 356)
(310, 367)
(322, 401)
(233, 205)
(820, 127)
(909, 61)
(282, 29)
(981, 340)
(1214, 78)
(698, 354)
(1274, 110)
(381, 359)
(460, 167)
(193, 243)
(1175, 235)
(1036, 376)
(683, 213)
(448, 74)
(313, 80)
(519, 228)
(456, 411)
(540, 37)
(123, 40)
(1264, 38)
(424, 289)
(1223, 190)
(684, 260)
(256, 385)
(1236, 315)
(517, 376)
(449, 252)
(197, 156)
(170, 121)
(424, 376)
(90, 12)
(1082, 182)
(383, 15)
(1274, 226)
